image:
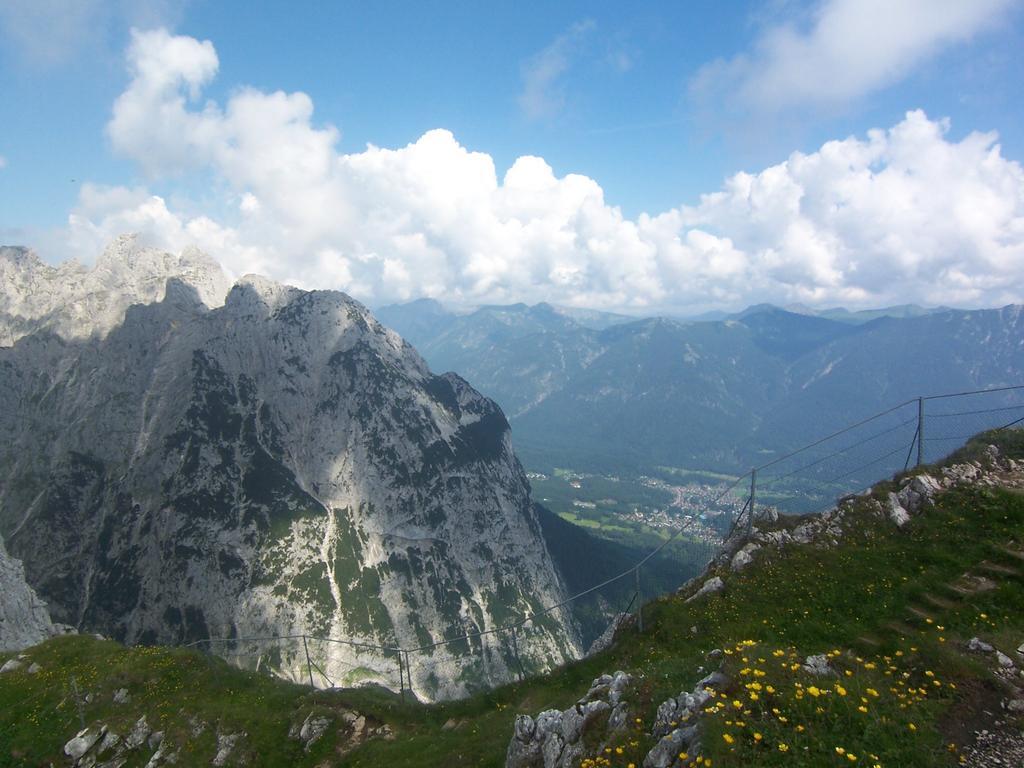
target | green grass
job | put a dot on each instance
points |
(595, 524)
(854, 600)
(695, 475)
(40, 712)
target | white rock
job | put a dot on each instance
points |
(711, 586)
(24, 619)
(138, 735)
(225, 744)
(617, 688)
(897, 513)
(665, 752)
(164, 754)
(82, 742)
(109, 742)
(1004, 661)
(978, 645)
(818, 665)
(744, 556)
(313, 728)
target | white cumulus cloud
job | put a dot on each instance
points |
(849, 48)
(903, 214)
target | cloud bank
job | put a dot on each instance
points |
(903, 214)
(849, 49)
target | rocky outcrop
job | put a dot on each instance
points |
(605, 640)
(100, 746)
(709, 587)
(745, 556)
(912, 497)
(818, 665)
(24, 618)
(676, 725)
(561, 739)
(279, 465)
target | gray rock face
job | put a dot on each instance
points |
(897, 513)
(280, 465)
(818, 665)
(917, 491)
(225, 746)
(138, 735)
(978, 645)
(666, 752)
(310, 730)
(24, 618)
(676, 726)
(558, 739)
(711, 586)
(604, 641)
(744, 556)
(76, 302)
(82, 742)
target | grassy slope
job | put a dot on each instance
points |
(858, 599)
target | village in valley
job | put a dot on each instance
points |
(611, 503)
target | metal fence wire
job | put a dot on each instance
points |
(812, 477)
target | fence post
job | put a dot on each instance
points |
(639, 603)
(401, 675)
(515, 650)
(750, 511)
(408, 674)
(309, 665)
(78, 702)
(920, 431)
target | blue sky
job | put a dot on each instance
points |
(654, 103)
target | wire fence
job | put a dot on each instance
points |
(813, 477)
(917, 431)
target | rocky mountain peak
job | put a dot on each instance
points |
(76, 301)
(279, 465)
(252, 290)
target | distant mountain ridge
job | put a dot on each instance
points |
(715, 394)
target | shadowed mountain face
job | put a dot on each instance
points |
(717, 394)
(282, 464)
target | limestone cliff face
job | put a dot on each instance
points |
(282, 464)
(24, 620)
(77, 301)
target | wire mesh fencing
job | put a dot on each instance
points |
(917, 431)
(809, 478)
